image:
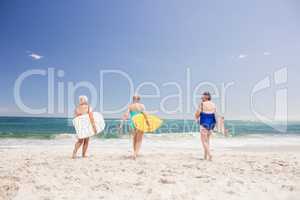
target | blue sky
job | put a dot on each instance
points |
(219, 41)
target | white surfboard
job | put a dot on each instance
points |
(84, 128)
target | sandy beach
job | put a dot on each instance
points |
(168, 168)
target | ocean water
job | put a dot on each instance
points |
(50, 128)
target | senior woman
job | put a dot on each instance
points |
(206, 116)
(135, 108)
(83, 109)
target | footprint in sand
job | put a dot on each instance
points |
(187, 166)
(280, 163)
(8, 187)
(202, 176)
(141, 172)
(230, 192)
(166, 181)
(43, 187)
(288, 187)
(138, 184)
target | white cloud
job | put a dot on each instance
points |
(241, 56)
(266, 53)
(35, 56)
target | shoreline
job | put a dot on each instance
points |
(192, 139)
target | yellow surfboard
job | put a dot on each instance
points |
(146, 123)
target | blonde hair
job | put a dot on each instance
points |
(136, 98)
(83, 99)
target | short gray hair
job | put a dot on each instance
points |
(83, 98)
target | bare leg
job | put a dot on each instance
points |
(208, 144)
(139, 141)
(203, 141)
(76, 147)
(134, 143)
(205, 135)
(85, 146)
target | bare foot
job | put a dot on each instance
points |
(134, 156)
(210, 158)
(205, 156)
(73, 155)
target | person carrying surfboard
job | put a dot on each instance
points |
(82, 109)
(206, 117)
(134, 109)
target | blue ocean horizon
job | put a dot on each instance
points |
(51, 127)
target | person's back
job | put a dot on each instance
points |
(206, 117)
(208, 107)
(136, 107)
(82, 109)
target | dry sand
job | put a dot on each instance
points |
(167, 169)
